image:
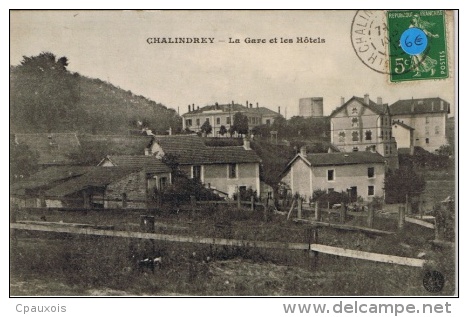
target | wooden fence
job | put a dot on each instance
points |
(376, 257)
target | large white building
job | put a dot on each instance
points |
(428, 118)
(361, 124)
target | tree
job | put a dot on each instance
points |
(23, 161)
(206, 127)
(241, 123)
(402, 182)
(223, 130)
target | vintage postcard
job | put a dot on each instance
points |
(234, 153)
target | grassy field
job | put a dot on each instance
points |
(65, 264)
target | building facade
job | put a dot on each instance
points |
(360, 174)
(311, 107)
(225, 170)
(361, 124)
(404, 136)
(428, 118)
(223, 115)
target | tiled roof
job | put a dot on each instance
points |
(50, 176)
(192, 150)
(421, 105)
(379, 109)
(150, 163)
(117, 144)
(342, 158)
(96, 177)
(53, 148)
(234, 108)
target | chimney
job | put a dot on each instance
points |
(366, 99)
(247, 144)
(188, 108)
(198, 107)
(279, 109)
(303, 150)
(257, 104)
(432, 103)
(247, 103)
(216, 106)
(412, 107)
(250, 106)
(379, 101)
(342, 100)
(232, 102)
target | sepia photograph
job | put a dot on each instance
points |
(224, 153)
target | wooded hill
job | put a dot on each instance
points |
(46, 97)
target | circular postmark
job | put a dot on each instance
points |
(433, 281)
(370, 40)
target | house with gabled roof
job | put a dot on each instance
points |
(226, 170)
(360, 174)
(428, 118)
(158, 174)
(361, 124)
(29, 192)
(404, 136)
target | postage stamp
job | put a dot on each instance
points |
(417, 45)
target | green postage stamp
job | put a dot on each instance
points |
(417, 45)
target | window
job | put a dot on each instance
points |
(370, 172)
(162, 182)
(426, 130)
(386, 149)
(218, 120)
(437, 130)
(427, 120)
(330, 190)
(331, 175)
(196, 172)
(232, 170)
(355, 149)
(268, 122)
(188, 122)
(368, 135)
(354, 111)
(370, 190)
(341, 136)
(198, 122)
(228, 120)
(355, 122)
(427, 140)
(355, 135)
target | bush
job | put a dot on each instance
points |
(402, 182)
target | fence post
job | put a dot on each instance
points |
(299, 208)
(238, 200)
(86, 200)
(252, 202)
(318, 216)
(342, 213)
(406, 204)
(193, 204)
(401, 217)
(370, 216)
(265, 210)
(313, 239)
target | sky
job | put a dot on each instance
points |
(112, 46)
